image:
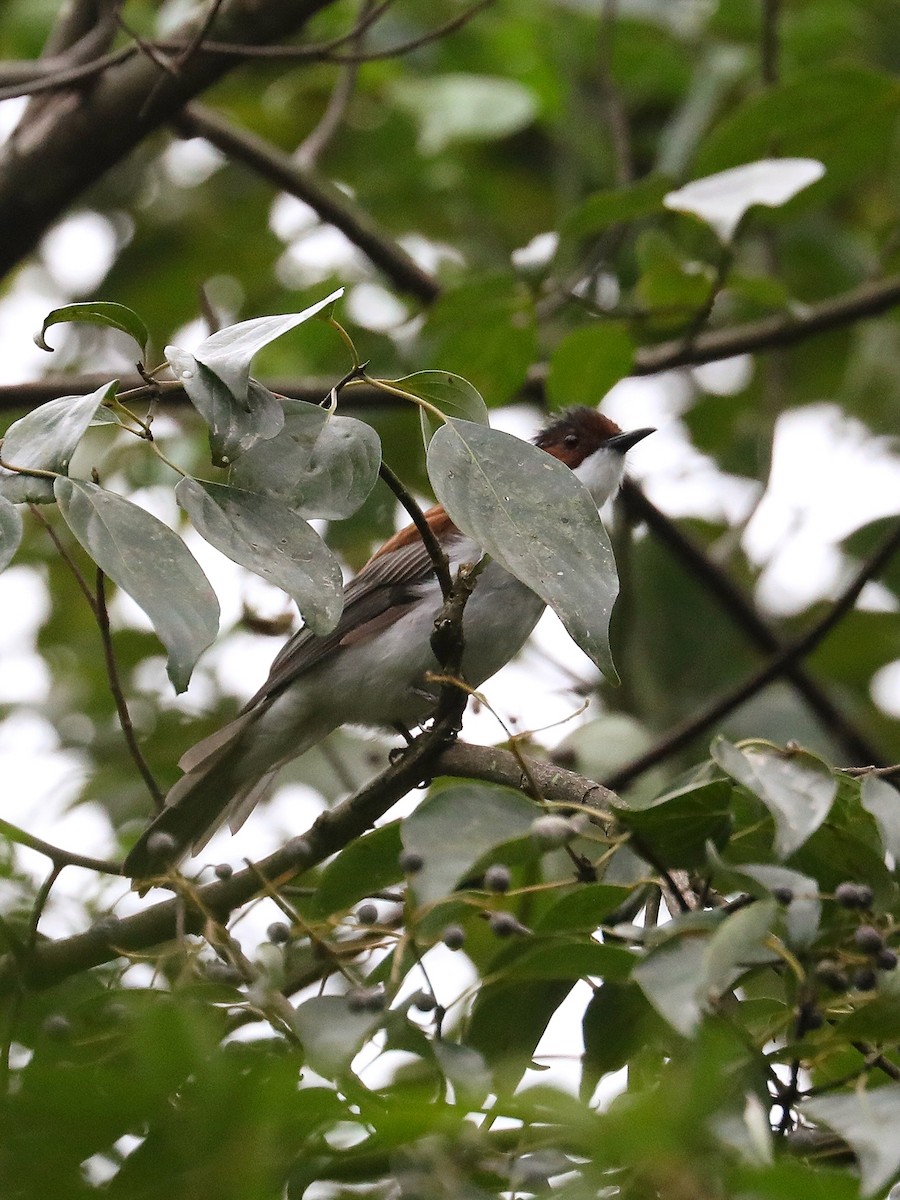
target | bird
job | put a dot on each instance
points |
(372, 669)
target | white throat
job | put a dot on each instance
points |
(601, 473)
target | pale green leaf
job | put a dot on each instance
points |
(454, 827)
(320, 464)
(147, 560)
(236, 423)
(797, 788)
(882, 800)
(229, 352)
(530, 513)
(722, 200)
(10, 531)
(869, 1121)
(464, 108)
(45, 440)
(264, 535)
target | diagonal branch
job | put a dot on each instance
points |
(328, 201)
(682, 735)
(429, 754)
(742, 610)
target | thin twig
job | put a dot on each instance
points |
(115, 687)
(314, 144)
(432, 545)
(614, 111)
(683, 734)
(58, 856)
(65, 556)
(196, 41)
(703, 570)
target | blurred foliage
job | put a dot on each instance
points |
(523, 159)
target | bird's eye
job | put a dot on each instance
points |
(571, 439)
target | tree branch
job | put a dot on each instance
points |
(428, 755)
(743, 612)
(328, 201)
(683, 734)
(78, 137)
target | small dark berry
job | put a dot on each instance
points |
(497, 878)
(784, 895)
(453, 937)
(423, 1001)
(868, 939)
(812, 1018)
(886, 959)
(853, 895)
(865, 895)
(864, 980)
(367, 914)
(219, 972)
(160, 846)
(411, 862)
(356, 1000)
(503, 924)
(830, 973)
(279, 932)
(224, 871)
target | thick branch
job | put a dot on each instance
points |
(78, 136)
(327, 200)
(428, 755)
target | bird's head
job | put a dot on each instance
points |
(592, 446)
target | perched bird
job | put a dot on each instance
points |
(371, 669)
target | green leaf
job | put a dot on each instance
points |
(570, 958)
(721, 200)
(10, 531)
(603, 209)
(332, 1033)
(509, 1019)
(147, 560)
(671, 979)
(801, 916)
(229, 352)
(264, 535)
(465, 1068)
(452, 828)
(485, 330)
(236, 424)
(320, 464)
(369, 864)
(464, 108)
(869, 1121)
(529, 512)
(582, 910)
(882, 800)
(45, 440)
(586, 364)
(617, 1023)
(738, 943)
(114, 316)
(453, 395)
(679, 825)
(797, 788)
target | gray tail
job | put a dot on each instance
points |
(211, 791)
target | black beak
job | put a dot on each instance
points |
(624, 441)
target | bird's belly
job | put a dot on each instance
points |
(384, 682)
